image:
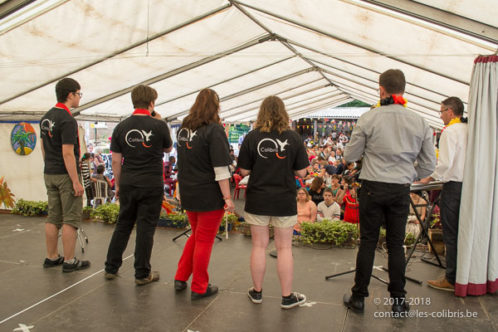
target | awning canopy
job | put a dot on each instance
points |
(313, 54)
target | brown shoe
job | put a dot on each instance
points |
(441, 284)
(153, 276)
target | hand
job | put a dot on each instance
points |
(78, 189)
(157, 116)
(116, 193)
(229, 206)
(424, 180)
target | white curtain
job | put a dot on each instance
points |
(477, 262)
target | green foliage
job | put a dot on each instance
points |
(6, 196)
(107, 213)
(355, 103)
(30, 208)
(230, 217)
(410, 239)
(336, 232)
(176, 220)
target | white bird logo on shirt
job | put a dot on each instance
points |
(282, 144)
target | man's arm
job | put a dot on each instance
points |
(355, 148)
(70, 163)
(42, 149)
(245, 172)
(426, 159)
(301, 173)
(116, 170)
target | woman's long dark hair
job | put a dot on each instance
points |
(204, 111)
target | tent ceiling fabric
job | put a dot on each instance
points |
(313, 54)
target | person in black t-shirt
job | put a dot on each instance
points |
(61, 152)
(203, 178)
(138, 144)
(273, 154)
(316, 190)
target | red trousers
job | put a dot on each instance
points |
(197, 250)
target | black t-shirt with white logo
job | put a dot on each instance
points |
(58, 127)
(272, 159)
(199, 151)
(141, 140)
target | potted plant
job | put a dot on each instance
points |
(6, 196)
(107, 213)
(30, 208)
(337, 233)
(87, 211)
(436, 234)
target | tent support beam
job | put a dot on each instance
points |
(359, 66)
(370, 80)
(251, 89)
(326, 105)
(287, 108)
(325, 33)
(282, 40)
(171, 73)
(278, 93)
(375, 98)
(118, 52)
(437, 17)
(227, 80)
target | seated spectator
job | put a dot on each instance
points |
(328, 209)
(99, 176)
(413, 225)
(336, 188)
(169, 175)
(351, 206)
(316, 190)
(306, 210)
(349, 169)
(85, 174)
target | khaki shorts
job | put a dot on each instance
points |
(280, 222)
(63, 206)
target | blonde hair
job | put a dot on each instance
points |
(272, 115)
(308, 197)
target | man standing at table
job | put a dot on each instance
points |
(390, 138)
(449, 169)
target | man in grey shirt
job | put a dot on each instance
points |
(397, 148)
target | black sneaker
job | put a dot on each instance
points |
(77, 265)
(255, 297)
(180, 285)
(211, 290)
(400, 308)
(51, 263)
(292, 300)
(153, 276)
(355, 303)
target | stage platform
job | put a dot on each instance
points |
(38, 299)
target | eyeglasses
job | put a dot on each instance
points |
(446, 109)
(79, 94)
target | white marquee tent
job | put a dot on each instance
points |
(313, 54)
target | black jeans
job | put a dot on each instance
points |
(382, 204)
(450, 213)
(143, 205)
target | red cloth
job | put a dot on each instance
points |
(197, 250)
(351, 209)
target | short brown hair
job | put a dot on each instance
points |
(316, 183)
(393, 80)
(272, 115)
(142, 96)
(204, 111)
(455, 104)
